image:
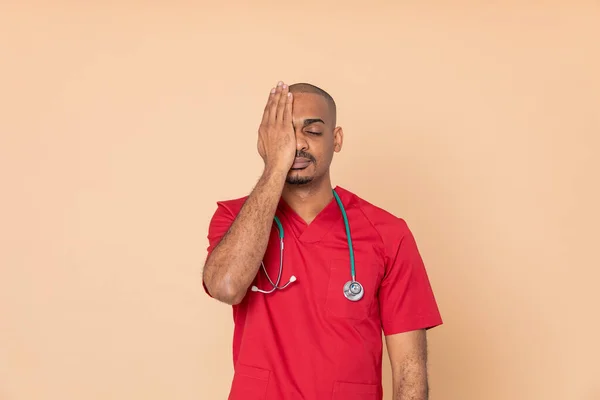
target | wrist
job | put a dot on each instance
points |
(275, 174)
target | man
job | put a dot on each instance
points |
(309, 314)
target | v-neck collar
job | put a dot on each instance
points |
(329, 216)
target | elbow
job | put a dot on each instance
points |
(229, 295)
(225, 291)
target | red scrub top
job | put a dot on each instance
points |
(307, 341)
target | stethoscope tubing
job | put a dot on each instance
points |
(352, 289)
(348, 235)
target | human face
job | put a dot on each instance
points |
(317, 138)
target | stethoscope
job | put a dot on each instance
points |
(353, 290)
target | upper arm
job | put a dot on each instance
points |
(407, 350)
(406, 299)
(220, 223)
(408, 309)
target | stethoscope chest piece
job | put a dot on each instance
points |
(353, 290)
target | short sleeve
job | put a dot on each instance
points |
(220, 223)
(406, 298)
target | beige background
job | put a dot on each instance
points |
(122, 125)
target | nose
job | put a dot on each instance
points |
(301, 143)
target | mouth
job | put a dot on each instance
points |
(300, 163)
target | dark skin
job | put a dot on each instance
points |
(408, 358)
(298, 124)
(233, 264)
(318, 137)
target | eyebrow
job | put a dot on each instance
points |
(310, 121)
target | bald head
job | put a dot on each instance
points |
(308, 88)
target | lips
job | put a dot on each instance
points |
(301, 163)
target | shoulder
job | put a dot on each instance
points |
(383, 221)
(390, 229)
(231, 206)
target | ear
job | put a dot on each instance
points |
(338, 139)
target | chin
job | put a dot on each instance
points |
(297, 178)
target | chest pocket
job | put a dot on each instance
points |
(336, 303)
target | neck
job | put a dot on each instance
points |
(310, 199)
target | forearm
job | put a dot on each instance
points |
(410, 381)
(233, 264)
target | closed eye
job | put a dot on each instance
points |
(314, 133)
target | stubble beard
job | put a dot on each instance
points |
(298, 180)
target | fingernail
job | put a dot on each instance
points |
(284, 86)
(289, 94)
(273, 90)
(280, 83)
